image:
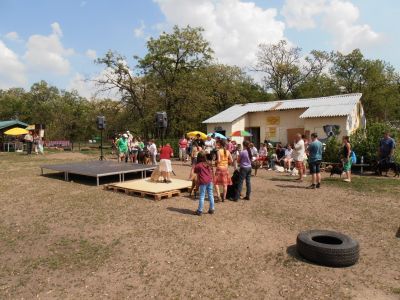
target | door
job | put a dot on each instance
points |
(255, 139)
(291, 134)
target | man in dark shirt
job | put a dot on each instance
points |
(386, 148)
(199, 141)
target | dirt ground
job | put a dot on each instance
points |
(74, 240)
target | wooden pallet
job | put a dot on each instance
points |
(155, 196)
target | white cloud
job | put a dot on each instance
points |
(139, 31)
(91, 54)
(47, 54)
(338, 17)
(234, 28)
(87, 86)
(12, 70)
(12, 36)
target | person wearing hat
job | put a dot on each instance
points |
(122, 145)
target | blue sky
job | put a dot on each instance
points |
(58, 40)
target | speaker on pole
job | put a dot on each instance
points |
(101, 122)
(161, 119)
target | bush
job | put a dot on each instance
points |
(332, 150)
(365, 142)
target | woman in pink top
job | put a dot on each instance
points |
(222, 176)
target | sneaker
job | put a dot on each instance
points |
(211, 211)
(311, 187)
(318, 185)
(197, 213)
(346, 180)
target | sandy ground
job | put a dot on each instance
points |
(73, 240)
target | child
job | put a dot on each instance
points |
(205, 181)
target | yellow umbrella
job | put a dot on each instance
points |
(16, 131)
(203, 136)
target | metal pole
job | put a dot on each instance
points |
(101, 145)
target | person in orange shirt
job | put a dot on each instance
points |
(222, 176)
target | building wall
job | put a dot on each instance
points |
(289, 119)
(316, 125)
(276, 132)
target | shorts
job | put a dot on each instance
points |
(299, 164)
(347, 165)
(315, 167)
(165, 165)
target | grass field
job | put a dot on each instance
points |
(75, 240)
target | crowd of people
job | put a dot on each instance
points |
(213, 159)
(34, 142)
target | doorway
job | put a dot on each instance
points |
(255, 139)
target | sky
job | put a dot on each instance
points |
(59, 40)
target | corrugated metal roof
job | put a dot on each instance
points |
(339, 101)
(5, 124)
(328, 111)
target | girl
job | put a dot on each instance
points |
(222, 176)
(244, 160)
(263, 155)
(346, 158)
(287, 160)
(204, 177)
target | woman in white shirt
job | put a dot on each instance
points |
(287, 159)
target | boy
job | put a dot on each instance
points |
(205, 181)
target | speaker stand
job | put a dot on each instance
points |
(101, 146)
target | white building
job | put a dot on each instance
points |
(280, 121)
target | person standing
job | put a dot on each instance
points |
(222, 176)
(183, 143)
(205, 181)
(153, 152)
(263, 155)
(386, 148)
(244, 161)
(166, 153)
(29, 142)
(346, 158)
(199, 141)
(298, 155)
(314, 161)
(122, 146)
(209, 146)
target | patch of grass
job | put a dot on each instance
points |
(72, 254)
(367, 184)
(396, 291)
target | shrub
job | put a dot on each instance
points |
(332, 150)
(365, 142)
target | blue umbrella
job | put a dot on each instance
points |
(217, 135)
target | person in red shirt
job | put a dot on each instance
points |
(183, 142)
(205, 181)
(166, 153)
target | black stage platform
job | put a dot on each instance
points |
(99, 169)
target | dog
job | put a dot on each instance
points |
(294, 172)
(195, 186)
(384, 167)
(232, 189)
(255, 164)
(144, 157)
(278, 168)
(155, 175)
(337, 169)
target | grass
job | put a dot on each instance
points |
(365, 184)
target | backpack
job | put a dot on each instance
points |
(353, 157)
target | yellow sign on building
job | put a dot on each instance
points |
(271, 132)
(273, 120)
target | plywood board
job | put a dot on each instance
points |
(148, 187)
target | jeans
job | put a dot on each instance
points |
(203, 188)
(245, 173)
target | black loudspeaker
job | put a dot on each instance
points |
(101, 122)
(331, 130)
(40, 126)
(161, 119)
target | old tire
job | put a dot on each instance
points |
(328, 248)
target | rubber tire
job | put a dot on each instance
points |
(332, 255)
